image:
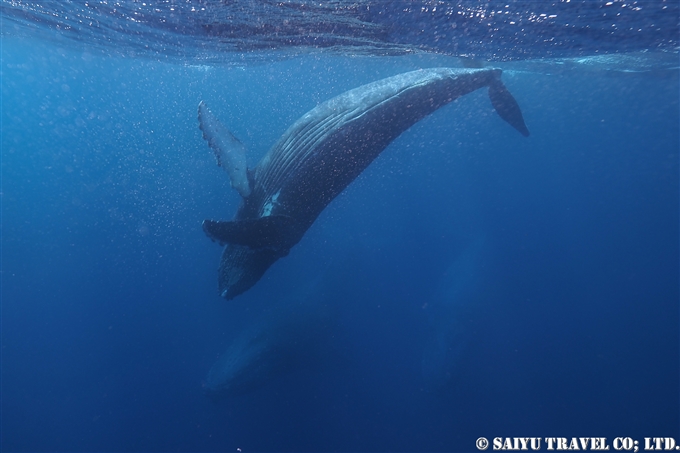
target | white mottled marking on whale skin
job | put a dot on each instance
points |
(269, 205)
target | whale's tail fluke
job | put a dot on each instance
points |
(507, 107)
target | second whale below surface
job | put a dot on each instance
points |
(320, 155)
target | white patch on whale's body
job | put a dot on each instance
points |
(270, 204)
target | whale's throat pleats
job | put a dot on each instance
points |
(297, 147)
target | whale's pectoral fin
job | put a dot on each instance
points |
(507, 107)
(266, 232)
(229, 151)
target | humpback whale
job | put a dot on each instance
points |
(295, 335)
(458, 299)
(320, 155)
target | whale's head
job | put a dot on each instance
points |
(241, 267)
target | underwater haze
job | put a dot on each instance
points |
(470, 283)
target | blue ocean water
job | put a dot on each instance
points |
(473, 282)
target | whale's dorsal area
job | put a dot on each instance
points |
(322, 153)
